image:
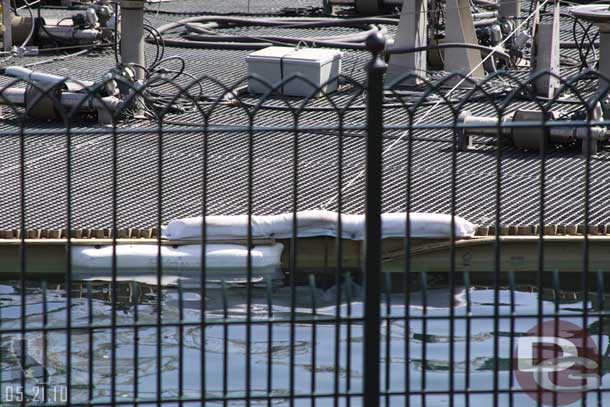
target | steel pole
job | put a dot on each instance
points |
(7, 17)
(132, 34)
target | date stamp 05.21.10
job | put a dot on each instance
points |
(35, 394)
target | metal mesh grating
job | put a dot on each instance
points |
(273, 161)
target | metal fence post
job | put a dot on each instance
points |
(372, 256)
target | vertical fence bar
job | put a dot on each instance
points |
(203, 275)
(348, 338)
(45, 343)
(159, 270)
(68, 274)
(90, 320)
(136, 342)
(249, 261)
(372, 261)
(338, 276)
(22, 247)
(114, 265)
(269, 294)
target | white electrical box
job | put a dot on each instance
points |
(317, 68)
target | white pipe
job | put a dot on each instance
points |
(479, 121)
(594, 132)
(45, 78)
(33, 76)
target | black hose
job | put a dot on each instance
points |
(245, 45)
(205, 38)
(575, 45)
(486, 50)
(285, 23)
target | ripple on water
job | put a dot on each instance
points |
(428, 344)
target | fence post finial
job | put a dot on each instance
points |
(376, 43)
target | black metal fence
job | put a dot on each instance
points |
(512, 312)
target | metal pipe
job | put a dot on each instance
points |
(491, 122)
(12, 96)
(7, 17)
(529, 138)
(84, 101)
(596, 133)
(87, 102)
(485, 14)
(70, 33)
(132, 34)
(485, 22)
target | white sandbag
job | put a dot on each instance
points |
(316, 223)
(217, 228)
(309, 223)
(220, 256)
(425, 225)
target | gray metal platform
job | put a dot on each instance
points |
(181, 186)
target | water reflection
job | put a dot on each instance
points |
(415, 352)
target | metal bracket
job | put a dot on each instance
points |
(546, 56)
(369, 7)
(464, 141)
(132, 34)
(460, 29)
(41, 101)
(412, 33)
(509, 8)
